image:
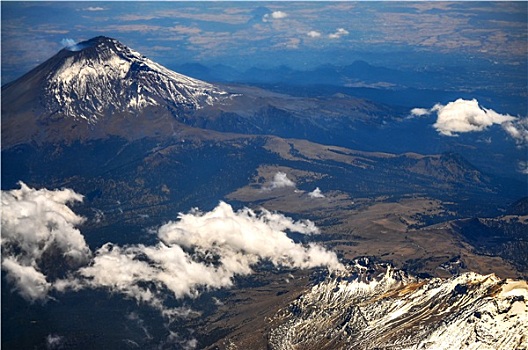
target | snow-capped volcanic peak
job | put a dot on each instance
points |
(102, 73)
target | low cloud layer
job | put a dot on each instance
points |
(463, 116)
(36, 224)
(94, 8)
(204, 251)
(199, 251)
(316, 193)
(274, 15)
(281, 180)
(338, 33)
(522, 167)
(67, 42)
(518, 130)
(314, 34)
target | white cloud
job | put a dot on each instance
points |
(314, 34)
(420, 112)
(54, 341)
(278, 14)
(281, 180)
(30, 283)
(522, 167)
(198, 251)
(36, 223)
(463, 116)
(224, 243)
(518, 130)
(67, 42)
(94, 8)
(175, 340)
(339, 33)
(189, 344)
(316, 193)
(229, 233)
(274, 15)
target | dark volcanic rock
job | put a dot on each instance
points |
(504, 236)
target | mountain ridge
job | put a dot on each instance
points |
(100, 87)
(399, 311)
(93, 82)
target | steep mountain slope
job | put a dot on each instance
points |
(98, 82)
(376, 307)
(99, 88)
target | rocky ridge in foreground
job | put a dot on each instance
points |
(377, 307)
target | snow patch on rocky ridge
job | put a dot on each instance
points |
(398, 311)
(109, 75)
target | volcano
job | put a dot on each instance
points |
(100, 88)
(99, 81)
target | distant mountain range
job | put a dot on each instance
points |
(359, 71)
(399, 87)
(99, 87)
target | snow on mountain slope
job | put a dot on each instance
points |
(101, 72)
(391, 310)
(100, 88)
